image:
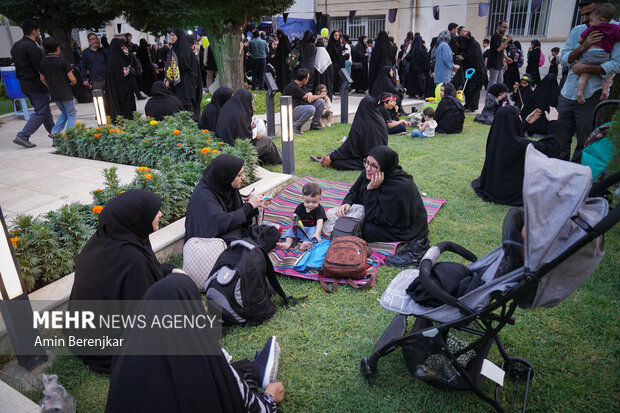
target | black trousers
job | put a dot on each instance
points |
(575, 118)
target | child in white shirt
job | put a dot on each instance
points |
(427, 128)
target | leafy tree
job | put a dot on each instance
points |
(58, 17)
(222, 21)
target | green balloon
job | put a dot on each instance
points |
(325, 32)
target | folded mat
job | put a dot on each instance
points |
(282, 207)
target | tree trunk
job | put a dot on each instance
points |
(64, 38)
(228, 52)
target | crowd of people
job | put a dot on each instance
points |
(384, 194)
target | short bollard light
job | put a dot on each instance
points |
(15, 305)
(99, 107)
(286, 123)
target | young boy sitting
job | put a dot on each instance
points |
(312, 216)
(58, 76)
(600, 52)
(327, 115)
(389, 111)
(427, 128)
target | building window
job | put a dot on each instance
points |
(518, 13)
(361, 26)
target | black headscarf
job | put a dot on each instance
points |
(501, 179)
(283, 74)
(450, 113)
(211, 112)
(367, 131)
(173, 383)
(384, 83)
(183, 50)
(544, 96)
(162, 102)
(235, 118)
(307, 51)
(394, 211)
(118, 86)
(380, 57)
(215, 208)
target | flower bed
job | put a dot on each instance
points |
(143, 141)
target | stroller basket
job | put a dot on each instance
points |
(562, 245)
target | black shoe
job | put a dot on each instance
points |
(267, 362)
(315, 127)
(24, 142)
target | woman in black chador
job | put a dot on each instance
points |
(216, 210)
(188, 91)
(119, 94)
(367, 131)
(211, 112)
(501, 179)
(359, 69)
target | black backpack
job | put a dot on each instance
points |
(238, 284)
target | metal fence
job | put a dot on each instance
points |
(360, 26)
(518, 13)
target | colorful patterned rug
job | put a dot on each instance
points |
(283, 205)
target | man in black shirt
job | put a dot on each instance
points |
(305, 103)
(58, 76)
(495, 59)
(94, 63)
(27, 57)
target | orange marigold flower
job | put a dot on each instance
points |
(97, 129)
(205, 150)
(148, 177)
(176, 132)
(14, 241)
(111, 130)
(143, 169)
(97, 209)
(179, 144)
(96, 135)
(205, 130)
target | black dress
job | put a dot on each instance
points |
(501, 179)
(394, 211)
(367, 131)
(162, 102)
(359, 69)
(544, 96)
(533, 59)
(118, 262)
(450, 114)
(379, 57)
(119, 94)
(189, 90)
(211, 112)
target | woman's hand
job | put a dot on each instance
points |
(342, 210)
(552, 114)
(376, 181)
(534, 116)
(256, 200)
(326, 161)
(276, 390)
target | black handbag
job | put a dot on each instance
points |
(346, 226)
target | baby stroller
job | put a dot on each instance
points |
(562, 245)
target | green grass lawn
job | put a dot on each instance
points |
(573, 347)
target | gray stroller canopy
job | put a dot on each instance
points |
(554, 192)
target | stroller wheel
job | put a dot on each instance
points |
(367, 371)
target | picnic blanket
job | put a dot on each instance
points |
(283, 205)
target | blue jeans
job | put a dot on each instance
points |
(42, 115)
(495, 76)
(67, 117)
(302, 113)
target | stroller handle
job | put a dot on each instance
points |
(429, 260)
